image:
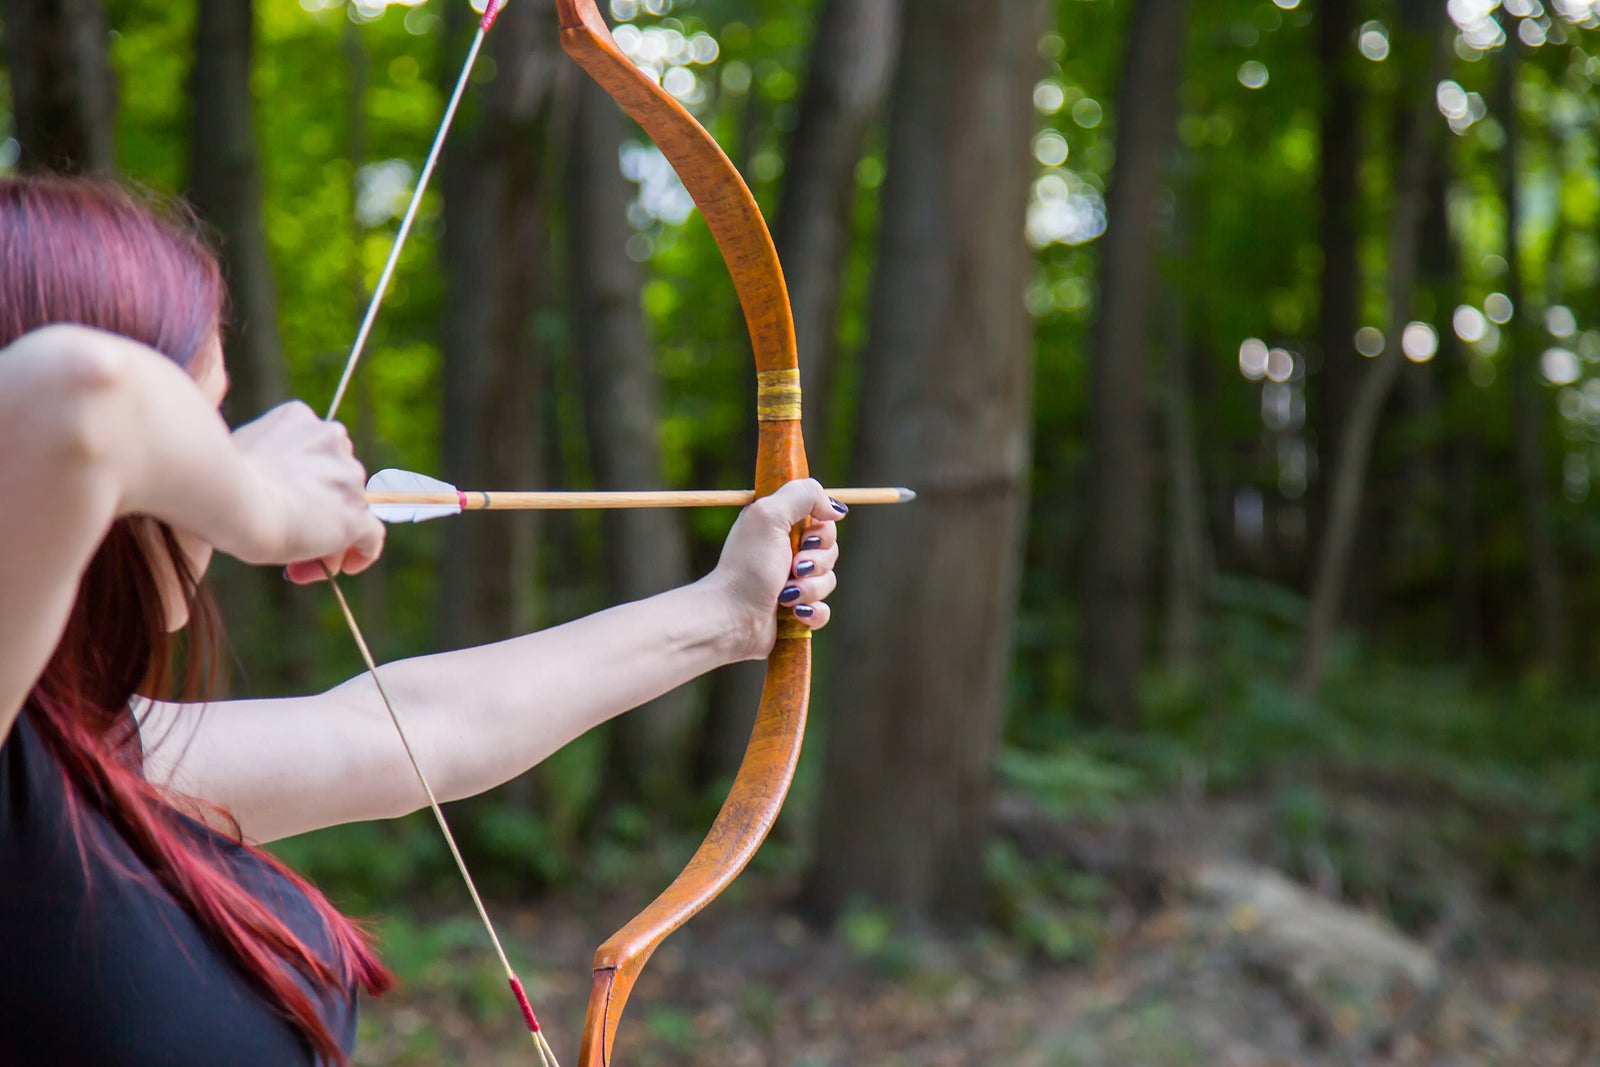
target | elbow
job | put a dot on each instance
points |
(87, 388)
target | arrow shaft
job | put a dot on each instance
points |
(474, 500)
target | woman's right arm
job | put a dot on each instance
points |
(94, 427)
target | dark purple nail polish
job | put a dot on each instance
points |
(803, 568)
(804, 611)
(840, 508)
(789, 595)
(811, 542)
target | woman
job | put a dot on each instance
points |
(138, 921)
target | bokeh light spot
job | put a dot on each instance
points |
(1253, 357)
(1561, 322)
(1419, 341)
(1049, 97)
(1087, 113)
(1560, 366)
(1469, 323)
(1050, 148)
(1374, 41)
(1498, 307)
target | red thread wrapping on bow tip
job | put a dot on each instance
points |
(490, 13)
(522, 1002)
(463, 498)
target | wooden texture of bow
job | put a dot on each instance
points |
(769, 763)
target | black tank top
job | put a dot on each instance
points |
(101, 967)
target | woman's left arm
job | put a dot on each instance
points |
(481, 716)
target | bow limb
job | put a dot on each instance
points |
(769, 763)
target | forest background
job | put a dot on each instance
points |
(1246, 359)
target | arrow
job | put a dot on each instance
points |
(397, 496)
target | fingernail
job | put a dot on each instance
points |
(805, 611)
(789, 595)
(840, 508)
(803, 568)
(811, 542)
(286, 576)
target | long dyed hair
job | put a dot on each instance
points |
(88, 252)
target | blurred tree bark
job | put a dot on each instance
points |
(225, 186)
(495, 246)
(1420, 48)
(265, 614)
(917, 704)
(734, 692)
(374, 590)
(1117, 541)
(1454, 401)
(1530, 407)
(852, 62)
(1191, 557)
(63, 95)
(1339, 232)
(645, 551)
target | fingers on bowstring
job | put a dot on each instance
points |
(368, 545)
(352, 560)
(306, 572)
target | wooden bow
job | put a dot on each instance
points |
(769, 763)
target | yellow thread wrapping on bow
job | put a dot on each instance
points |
(791, 627)
(778, 395)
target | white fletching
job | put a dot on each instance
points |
(398, 481)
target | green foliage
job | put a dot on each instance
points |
(874, 938)
(1070, 783)
(366, 863)
(1048, 908)
(1238, 229)
(671, 1027)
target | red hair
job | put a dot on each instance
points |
(86, 251)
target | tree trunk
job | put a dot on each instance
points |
(495, 245)
(1117, 539)
(1334, 388)
(917, 707)
(1419, 37)
(374, 588)
(225, 187)
(1191, 560)
(851, 67)
(645, 551)
(1530, 405)
(63, 94)
(735, 690)
(852, 63)
(1447, 399)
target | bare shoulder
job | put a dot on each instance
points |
(51, 382)
(52, 385)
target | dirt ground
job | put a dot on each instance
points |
(1167, 983)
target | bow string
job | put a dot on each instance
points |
(491, 12)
